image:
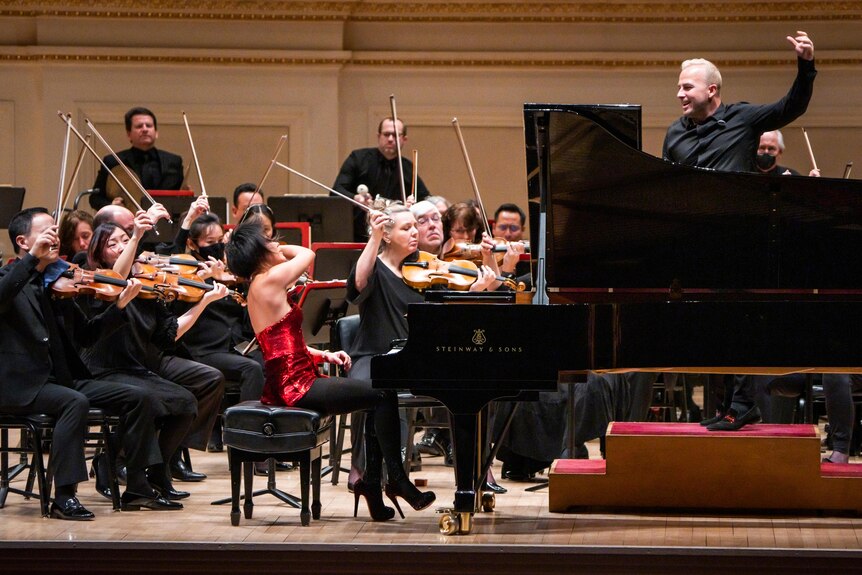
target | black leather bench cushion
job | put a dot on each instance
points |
(253, 426)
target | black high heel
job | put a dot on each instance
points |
(404, 489)
(374, 500)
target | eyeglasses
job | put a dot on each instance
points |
(422, 220)
(508, 227)
(391, 134)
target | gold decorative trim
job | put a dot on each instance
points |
(359, 61)
(485, 12)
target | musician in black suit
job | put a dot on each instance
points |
(769, 153)
(156, 169)
(371, 172)
(41, 373)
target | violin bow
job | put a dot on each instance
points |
(272, 162)
(414, 188)
(67, 118)
(125, 168)
(62, 173)
(810, 151)
(195, 156)
(398, 147)
(457, 127)
(78, 163)
(324, 186)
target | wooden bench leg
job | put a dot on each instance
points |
(248, 478)
(315, 485)
(304, 479)
(235, 467)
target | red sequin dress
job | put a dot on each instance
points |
(289, 368)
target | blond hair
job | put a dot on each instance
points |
(711, 73)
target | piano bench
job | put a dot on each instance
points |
(256, 432)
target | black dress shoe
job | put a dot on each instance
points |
(519, 476)
(714, 419)
(493, 487)
(155, 502)
(733, 422)
(170, 493)
(181, 472)
(71, 510)
(430, 444)
(582, 452)
(283, 466)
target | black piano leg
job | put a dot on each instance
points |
(468, 452)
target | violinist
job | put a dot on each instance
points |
(41, 373)
(509, 222)
(144, 350)
(429, 223)
(198, 207)
(463, 224)
(244, 195)
(291, 376)
(76, 230)
(377, 286)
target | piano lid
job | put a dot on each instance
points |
(619, 219)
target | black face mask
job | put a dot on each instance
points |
(765, 161)
(215, 251)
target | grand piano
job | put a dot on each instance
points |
(640, 265)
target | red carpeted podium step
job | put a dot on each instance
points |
(684, 466)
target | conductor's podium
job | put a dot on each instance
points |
(684, 466)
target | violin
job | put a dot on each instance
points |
(187, 287)
(104, 285)
(177, 263)
(473, 252)
(457, 275)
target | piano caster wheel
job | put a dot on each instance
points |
(489, 501)
(449, 524)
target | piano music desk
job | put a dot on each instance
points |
(684, 466)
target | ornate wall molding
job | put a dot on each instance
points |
(393, 61)
(465, 11)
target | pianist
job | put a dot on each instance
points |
(290, 372)
(711, 134)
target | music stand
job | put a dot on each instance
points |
(334, 260)
(11, 201)
(330, 217)
(323, 303)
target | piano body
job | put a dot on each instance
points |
(687, 269)
(642, 265)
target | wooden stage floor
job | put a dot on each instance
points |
(520, 536)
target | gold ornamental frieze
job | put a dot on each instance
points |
(465, 11)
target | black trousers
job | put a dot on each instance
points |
(248, 371)
(206, 384)
(838, 390)
(173, 409)
(70, 408)
(338, 395)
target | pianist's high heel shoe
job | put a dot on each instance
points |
(404, 489)
(374, 499)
